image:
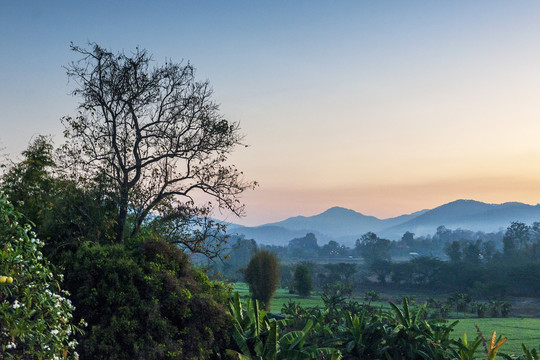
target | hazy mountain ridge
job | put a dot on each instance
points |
(346, 225)
(337, 221)
(467, 214)
(274, 235)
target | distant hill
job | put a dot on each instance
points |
(467, 214)
(345, 225)
(273, 235)
(337, 221)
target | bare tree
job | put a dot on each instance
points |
(153, 131)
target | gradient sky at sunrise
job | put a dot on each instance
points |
(378, 106)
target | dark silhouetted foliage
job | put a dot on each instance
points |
(373, 248)
(303, 283)
(262, 276)
(146, 302)
(154, 131)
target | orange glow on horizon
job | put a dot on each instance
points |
(383, 201)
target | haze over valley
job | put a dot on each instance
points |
(346, 226)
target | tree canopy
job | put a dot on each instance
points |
(373, 248)
(153, 132)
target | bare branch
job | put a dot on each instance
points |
(154, 130)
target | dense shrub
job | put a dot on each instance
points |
(35, 313)
(262, 276)
(65, 214)
(146, 302)
(302, 280)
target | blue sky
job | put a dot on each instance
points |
(383, 107)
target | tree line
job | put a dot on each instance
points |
(466, 264)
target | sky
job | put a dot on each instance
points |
(383, 107)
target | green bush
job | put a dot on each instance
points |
(262, 276)
(145, 301)
(35, 313)
(64, 212)
(303, 283)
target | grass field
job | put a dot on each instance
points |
(517, 330)
(281, 297)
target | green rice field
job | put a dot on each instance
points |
(517, 330)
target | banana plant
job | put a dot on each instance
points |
(528, 354)
(494, 345)
(440, 332)
(254, 334)
(257, 336)
(410, 337)
(406, 317)
(362, 336)
(468, 349)
(292, 345)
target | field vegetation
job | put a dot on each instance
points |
(518, 330)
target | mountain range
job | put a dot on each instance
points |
(345, 225)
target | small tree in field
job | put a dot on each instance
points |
(262, 276)
(302, 280)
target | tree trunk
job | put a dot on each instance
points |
(137, 226)
(122, 216)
